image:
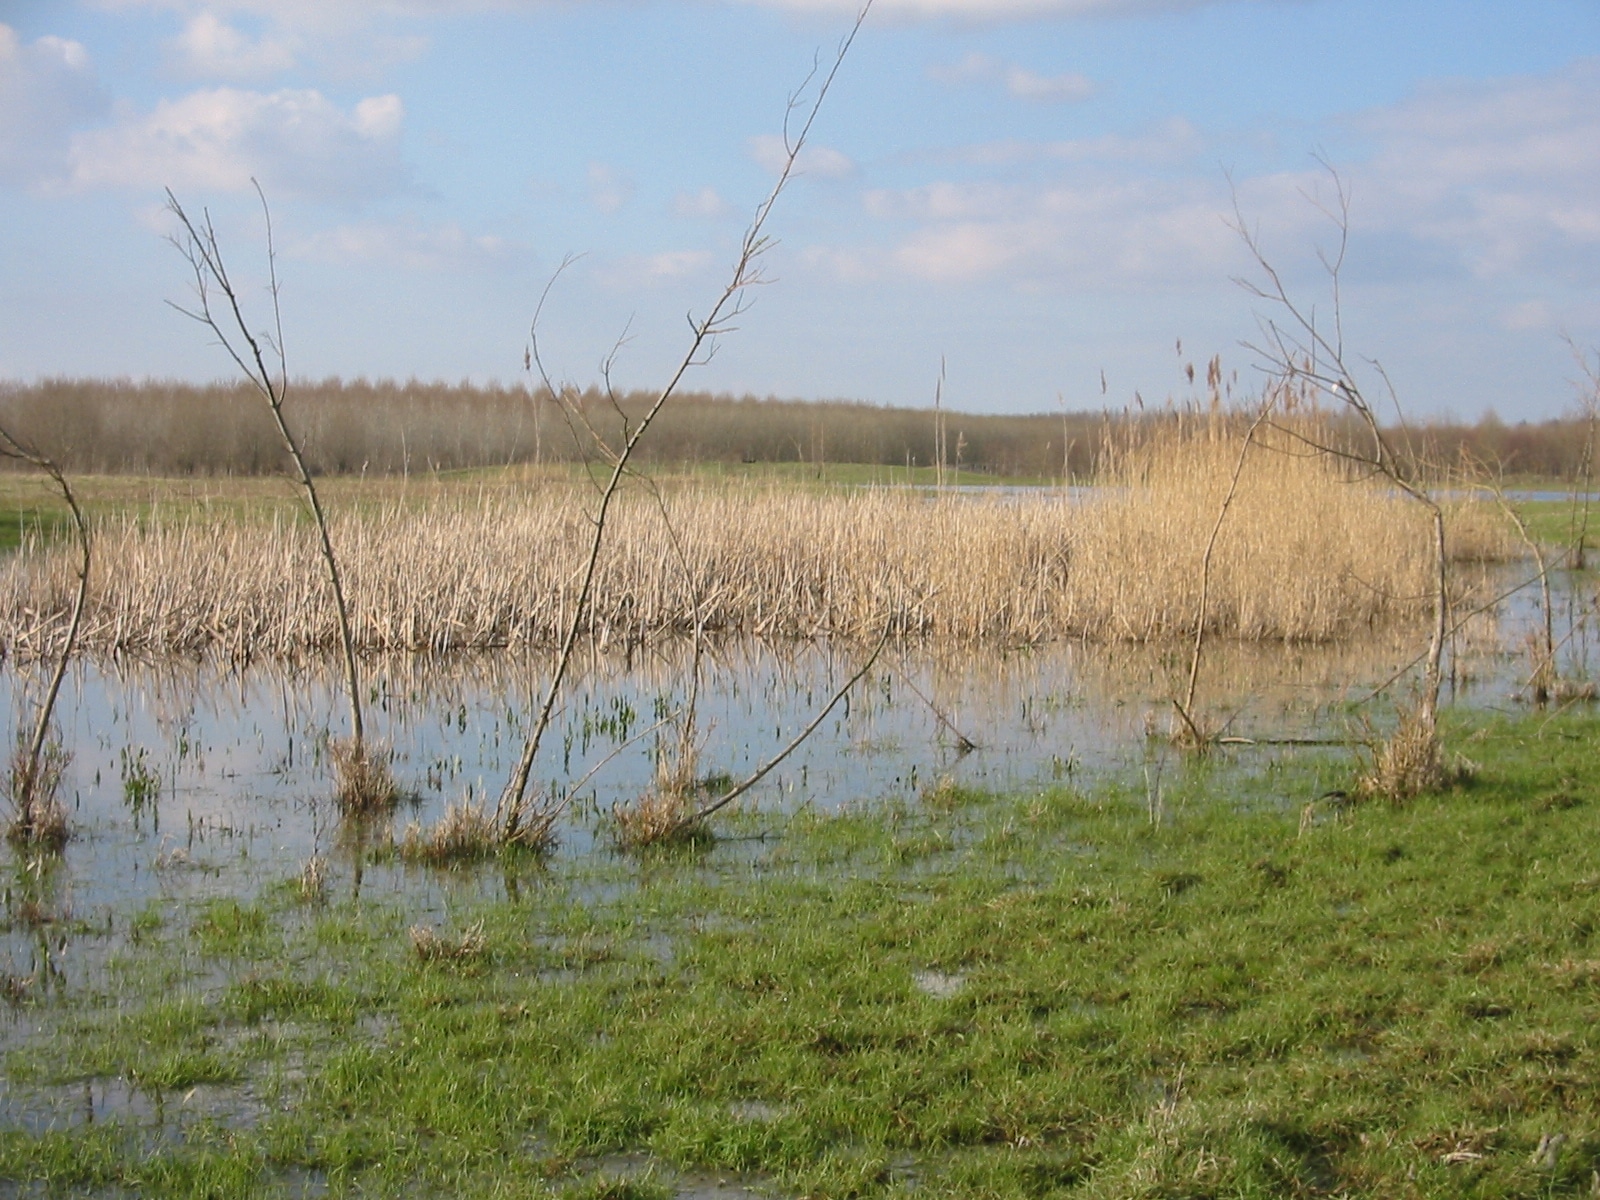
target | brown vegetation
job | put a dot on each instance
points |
(32, 784)
(432, 947)
(365, 785)
(361, 427)
(1306, 554)
(466, 833)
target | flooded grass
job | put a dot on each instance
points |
(989, 933)
(1031, 994)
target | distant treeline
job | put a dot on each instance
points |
(168, 428)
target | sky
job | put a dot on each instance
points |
(1041, 194)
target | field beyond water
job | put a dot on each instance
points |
(1246, 991)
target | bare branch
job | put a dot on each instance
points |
(510, 811)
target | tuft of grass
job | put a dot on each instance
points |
(432, 947)
(1410, 762)
(467, 833)
(661, 815)
(364, 785)
(38, 819)
(311, 885)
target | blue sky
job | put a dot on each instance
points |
(1035, 190)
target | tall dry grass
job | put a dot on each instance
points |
(1305, 554)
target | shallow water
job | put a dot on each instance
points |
(196, 779)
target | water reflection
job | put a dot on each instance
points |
(193, 779)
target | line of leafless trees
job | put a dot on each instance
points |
(392, 428)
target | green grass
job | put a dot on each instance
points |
(991, 996)
(1554, 523)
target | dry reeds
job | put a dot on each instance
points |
(1306, 555)
(37, 819)
(363, 782)
(466, 833)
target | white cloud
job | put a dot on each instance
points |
(770, 153)
(706, 203)
(344, 15)
(675, 264)
(438, 247)
(295, 142)
(652, 270)
(609, 189)
(1506, 171)
(209, 46)
(1174, 141)
(1026, 85)
(46, 88)
(1494, 178)
(1019, 81)
(1529, 315)
(1106, 235)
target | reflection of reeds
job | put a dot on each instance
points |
(1306, 554)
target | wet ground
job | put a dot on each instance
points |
(197, 781)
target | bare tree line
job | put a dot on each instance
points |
(392, 428)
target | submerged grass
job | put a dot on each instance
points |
(973, 995)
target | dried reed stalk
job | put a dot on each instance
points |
(1306, 555)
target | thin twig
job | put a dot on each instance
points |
(733, 301)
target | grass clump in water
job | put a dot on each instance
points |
(38, 819)
(364, 784)
(430, 946)
(466, 833)
(665, 814)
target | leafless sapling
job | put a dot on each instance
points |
(1296, 349)
(519, 819)
(364, 780)
(38, 818)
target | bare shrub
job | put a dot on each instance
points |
(263, 361)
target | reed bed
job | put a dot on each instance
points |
(1305, 554)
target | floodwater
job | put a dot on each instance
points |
(195, 779)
